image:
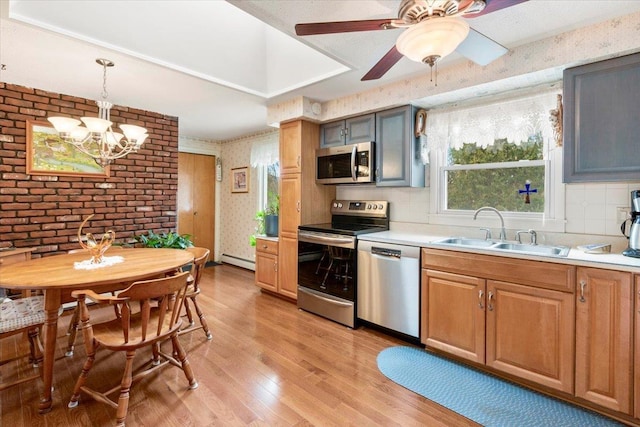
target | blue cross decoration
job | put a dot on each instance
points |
(527, 190)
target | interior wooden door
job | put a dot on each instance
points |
(196, 199)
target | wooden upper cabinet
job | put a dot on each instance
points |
(604, 338)
(291, 147)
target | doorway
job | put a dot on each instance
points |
(196, 199)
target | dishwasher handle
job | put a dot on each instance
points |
(386, 252)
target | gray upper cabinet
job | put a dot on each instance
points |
(349, 131)
(397, 149)
(601, 121)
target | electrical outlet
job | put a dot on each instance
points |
(623, 213)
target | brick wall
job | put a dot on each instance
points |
(45, 211)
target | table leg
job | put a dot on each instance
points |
(51, 307)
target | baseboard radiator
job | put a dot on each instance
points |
(238, 262)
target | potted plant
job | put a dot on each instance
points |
(164, 240)
(271, 217)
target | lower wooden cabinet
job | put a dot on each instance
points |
(267, 264)
(604, 338)
(453, 318)
(288, 272)
(636, 364)
(520, 329)
(530, 333)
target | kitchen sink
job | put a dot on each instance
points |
(463, 241)
(561, 251)
(545, 250)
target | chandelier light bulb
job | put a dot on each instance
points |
(96, 138)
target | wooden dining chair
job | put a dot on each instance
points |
(200, 257)
(160, 302)
(74, 323)
(23, 316)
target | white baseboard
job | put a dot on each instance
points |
(238, 262)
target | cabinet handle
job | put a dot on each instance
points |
(264, 246)
(480, 299)
(298, 205)
(195, 213)
(582, 286)
(489, 298)
(298, 161)
(275, 266)
(638, 301)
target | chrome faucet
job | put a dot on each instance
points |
(503, 231)
(534, 236)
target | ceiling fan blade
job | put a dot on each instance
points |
(388, 60)
(493, 5)
(341, 27)
(480, 48)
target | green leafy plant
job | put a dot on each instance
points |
(164, 240)
(273, 207)
(260, 218)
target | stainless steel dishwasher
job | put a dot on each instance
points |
(388, 291)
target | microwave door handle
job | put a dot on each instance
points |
(353, 163)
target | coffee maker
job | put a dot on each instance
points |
(634, 229)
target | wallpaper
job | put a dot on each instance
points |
(237, 210)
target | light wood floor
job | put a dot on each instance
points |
(269, 364)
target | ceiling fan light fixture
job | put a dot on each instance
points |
(432, 38)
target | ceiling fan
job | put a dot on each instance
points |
(432, 30)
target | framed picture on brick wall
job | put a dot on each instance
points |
(240, 180)
(48, 154)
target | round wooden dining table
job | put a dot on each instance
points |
(58, 275)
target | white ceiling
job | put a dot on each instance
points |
(217, 67)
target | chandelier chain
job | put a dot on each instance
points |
(105, 94)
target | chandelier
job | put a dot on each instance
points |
(96, 138)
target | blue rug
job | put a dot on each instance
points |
(480, 397)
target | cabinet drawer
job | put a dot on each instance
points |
(541, 274)
(267, 246)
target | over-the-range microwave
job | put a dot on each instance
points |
(346, 164)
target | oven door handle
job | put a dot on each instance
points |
(325, 240)
(354, 175)
(329, 300)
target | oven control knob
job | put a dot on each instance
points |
(380, 206)
(339, 205)
(335, 205)
(369, 206)
(375, 207)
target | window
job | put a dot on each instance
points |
(264, 158)
(501, 155)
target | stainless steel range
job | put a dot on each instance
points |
(327, 257)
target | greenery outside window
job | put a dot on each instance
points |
(490, 156)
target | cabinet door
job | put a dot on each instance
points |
(288, 267)
(290, 188)
(530, 333)
(604, 338)
(398, 161)
(290, 147)
(267, 271)
(636, 364)
(599, 103)
(332, 134)
(453, 318)
(360, 129)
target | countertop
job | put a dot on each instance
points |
(610, 261)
